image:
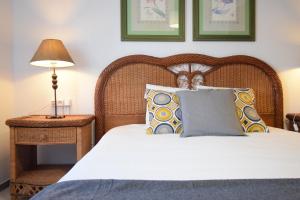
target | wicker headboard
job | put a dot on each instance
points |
(119, 95)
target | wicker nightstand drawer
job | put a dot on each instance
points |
(66, 135)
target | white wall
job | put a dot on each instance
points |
(91, 31)
(6, 86)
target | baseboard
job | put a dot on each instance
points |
(4, 185)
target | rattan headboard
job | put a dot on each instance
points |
(119, 95)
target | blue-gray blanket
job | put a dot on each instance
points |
(279, 189)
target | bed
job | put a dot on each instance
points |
(126, 163)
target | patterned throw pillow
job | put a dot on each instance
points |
(164, 112)
(249, 118)
(160, 88)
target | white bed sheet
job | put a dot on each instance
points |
(128, 153)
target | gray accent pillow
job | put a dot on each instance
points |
(209, 112)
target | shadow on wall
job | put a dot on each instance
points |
(4, 156)
(6, 108)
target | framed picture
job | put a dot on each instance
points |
(152, 20)
(224, 20)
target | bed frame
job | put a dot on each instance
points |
(119, 94)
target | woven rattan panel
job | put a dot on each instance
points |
(44, 136)
(247, 76)
(25, 191)
(123, 96)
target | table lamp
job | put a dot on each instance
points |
(53, 54)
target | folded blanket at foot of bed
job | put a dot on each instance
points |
(275, 189)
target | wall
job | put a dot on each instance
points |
(91, 32)
(6, 86)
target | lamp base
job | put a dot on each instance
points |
(55, 116)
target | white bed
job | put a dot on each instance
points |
(126, 152)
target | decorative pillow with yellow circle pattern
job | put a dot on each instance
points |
(249, 118)
(164, 112)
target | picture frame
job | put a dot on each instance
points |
(224, 20)
(153, 20)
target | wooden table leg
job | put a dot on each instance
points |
(83, 145)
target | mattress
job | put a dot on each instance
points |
(127, 153)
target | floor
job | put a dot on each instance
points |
(4, 194)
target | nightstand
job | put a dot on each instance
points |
(293, 117)
(26, 133)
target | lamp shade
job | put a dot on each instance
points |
(52, 53)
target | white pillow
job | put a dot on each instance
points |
(201, 87)
(163, 88)
(160, 88)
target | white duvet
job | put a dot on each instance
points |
(128, 153)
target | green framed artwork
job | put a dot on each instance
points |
(224, 20)
(152, 20)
